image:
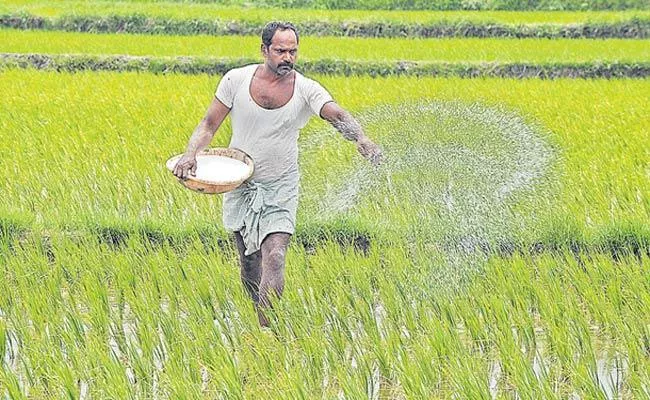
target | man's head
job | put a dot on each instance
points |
(279, 46)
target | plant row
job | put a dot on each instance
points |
(512, 5)
(141, 323)
(487, 165)
(195, 65)
(385, 50)
(634, 28)
(616, 240)
(202, 11)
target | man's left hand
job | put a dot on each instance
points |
(370, 151)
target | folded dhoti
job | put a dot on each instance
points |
(256, 209)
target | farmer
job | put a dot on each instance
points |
(269, 103)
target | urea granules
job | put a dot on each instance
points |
(220, 169)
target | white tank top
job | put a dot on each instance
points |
(269, 136)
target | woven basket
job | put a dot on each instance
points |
(213, 187)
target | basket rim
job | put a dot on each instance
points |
(216, 151)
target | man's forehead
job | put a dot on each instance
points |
(284, 38)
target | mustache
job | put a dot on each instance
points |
(290, 65)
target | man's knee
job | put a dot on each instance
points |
(276, 256)
(273, 251)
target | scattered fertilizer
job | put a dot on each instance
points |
(452, 161)
(459, 175)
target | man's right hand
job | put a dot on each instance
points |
(185, 167)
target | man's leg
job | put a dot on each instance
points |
(251, 269)
(274, 249)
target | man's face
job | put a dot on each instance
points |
(281, 55)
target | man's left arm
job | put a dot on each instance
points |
(351, 130)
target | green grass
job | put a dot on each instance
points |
(91, 150)
(213, 11)
(145, 322)
(314, 48)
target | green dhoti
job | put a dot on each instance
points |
(256, 209)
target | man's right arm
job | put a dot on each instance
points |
(201, 137)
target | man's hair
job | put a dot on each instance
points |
(273, 26)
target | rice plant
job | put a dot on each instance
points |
(80, 319)
(212, 11)
(328, 48)
(592, 166)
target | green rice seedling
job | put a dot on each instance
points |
(351, 323)
(328, 48)
(10, 382)
(583, 349)
(98, 195)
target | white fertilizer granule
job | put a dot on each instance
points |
(220, 169)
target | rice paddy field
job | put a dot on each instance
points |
(502, 250)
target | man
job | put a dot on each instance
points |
(268, 103)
